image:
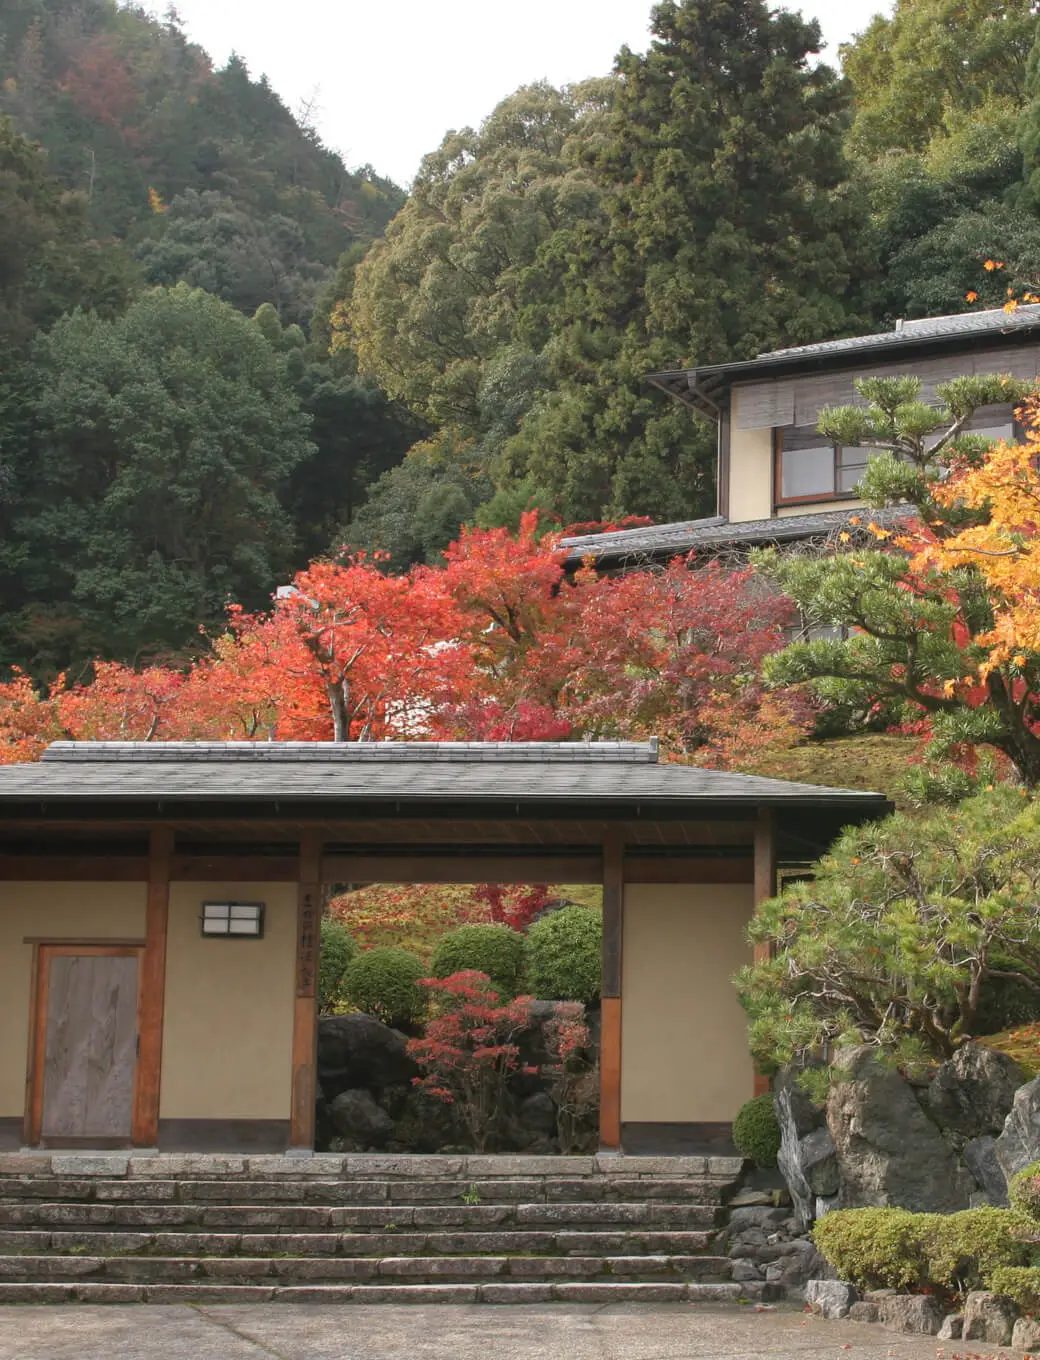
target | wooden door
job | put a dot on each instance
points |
(86, 1046)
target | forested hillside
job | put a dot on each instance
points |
(225, 353)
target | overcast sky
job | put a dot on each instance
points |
(392, 76)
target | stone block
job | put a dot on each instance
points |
(573, 1191)
(725, 1168)
(25, 1239)
(567, 1214)
(83, 1215)
(554, 1267)
(431, 1192)
(99, 1243)
(25, 1164)
(152, 1269)
(314, 1293)
(147, 1215)
(952, 1328)
(37, 1293)
(657, 1187)
(376, 1216)
(139, 1192)
(63, 1267)
(918, 1314)
(864, 1312)
(416, 1293)
(197, 1244)
(270, 1218)
(619, 1293)
(512, 1167)
(333, 1268)
(89, 1164)
(386, 1244)
(989, 1317)
(515, 1293)
(208, 1293)
(51, 1188)
(1026, 1335)
(235, 1267)
(109, 1293)
(624, 1164)
(177, 1165)
(720, 1293)
(830, 1298)
(378, 1164)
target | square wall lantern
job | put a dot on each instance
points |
(240, 920)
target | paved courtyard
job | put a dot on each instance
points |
(529, 1332)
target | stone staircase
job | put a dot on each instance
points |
(105, 1228)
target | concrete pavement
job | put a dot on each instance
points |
(445, 1332)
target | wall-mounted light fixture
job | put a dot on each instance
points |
(233, 919)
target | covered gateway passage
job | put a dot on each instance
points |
(160, 909)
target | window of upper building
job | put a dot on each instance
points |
(810, 469)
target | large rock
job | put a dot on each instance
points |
(357, 1116)
(889, 1152)
(806, 1157)
(973, 1092)
(918, 1314)
(830, 1298)
(980, 1157)
(1019, 1144)
(1026, 1335)
(358, 1051)
(989, 1317)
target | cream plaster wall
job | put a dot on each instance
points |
(684, 1051)
(750, 468)
(58, 911)
(227, 1037)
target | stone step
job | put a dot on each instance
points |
(273, 1218)
(351, 1269)
(497, 1190)
(335, 1166)
(34, 1242)
(607, 1292)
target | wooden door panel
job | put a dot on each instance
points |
(90, 1050)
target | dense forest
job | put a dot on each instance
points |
(223, 353)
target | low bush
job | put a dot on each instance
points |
(385, 983)
(1024, 1191)
(876, 1248)
(947, 1253)
(1020, 1283)
(496, 950)
(564, 955)
(756, 1132)
(337, 952)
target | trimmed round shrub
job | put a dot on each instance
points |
(498, 951)
(756, 1131)
(385, 983)
(1024, 1191)
(966, 1249)
(1019, 1283)
(337, 952)
(563, 955)
(876, 1248)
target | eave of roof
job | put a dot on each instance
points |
(630, 547)
(703, 387)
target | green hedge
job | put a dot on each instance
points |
(497, 951)
(1024, 1191)
(564, 951)
(756, 1132)
(337, 952)
(385, 983)
(897, 1249)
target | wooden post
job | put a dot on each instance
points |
(152, 991)
(765, 887)
(305, 1019)
(610, 996)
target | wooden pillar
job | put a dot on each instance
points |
(765, 887)
(152, 991)
(610, 994)
(305, 1019)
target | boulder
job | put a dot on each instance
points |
(360, 1120)
(980, 1157)
(1026, 1335)
(743, 1271)
(806, 1157)
(915, 1313)
(1019, 1144)
(358, 1051)
(889, 1152)
(537, 1114)
(864, 1312)
(830, 1298)
(989, 1317)
(952, 1328)
(973, 1092)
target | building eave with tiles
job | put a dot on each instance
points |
(160, 905)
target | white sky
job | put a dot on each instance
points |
(393, 77)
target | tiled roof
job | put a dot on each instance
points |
(994, 321)
(353, 753)
(672, 540)
(616, 775)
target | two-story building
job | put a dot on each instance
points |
(778, 480)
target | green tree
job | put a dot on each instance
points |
(914, 631)
(934, 65)
(901, 929)
(156, 449)
(723, 229)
